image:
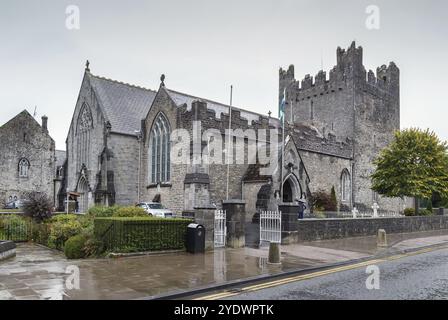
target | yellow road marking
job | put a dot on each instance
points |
(275, 283)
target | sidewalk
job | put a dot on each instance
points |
(39, 273)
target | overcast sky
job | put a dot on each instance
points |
(204, 46)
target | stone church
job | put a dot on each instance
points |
(28, 160)
(125, 142)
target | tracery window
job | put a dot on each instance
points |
(83, 129)
(159, 150)
(345, 185)
(24, 166)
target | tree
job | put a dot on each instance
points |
(333, 200)
(37, 206)
(322, 201)
(414, 165)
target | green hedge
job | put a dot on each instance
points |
(14, 228)
(140, 234)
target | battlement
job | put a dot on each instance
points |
(218, 118)
(349, 68)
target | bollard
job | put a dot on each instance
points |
(274, 253)
(382, 238)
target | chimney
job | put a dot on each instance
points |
(45, 124)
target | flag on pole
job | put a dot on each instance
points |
(281, 110)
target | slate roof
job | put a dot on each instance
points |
(124, 105)
(309, 138)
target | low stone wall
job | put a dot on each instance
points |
(7, 250)
(326, 229)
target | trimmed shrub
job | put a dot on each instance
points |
(140, 234)
(74, 247)
(62, 228)
(409, 212)
(429, 206)
(425, 212)
(38, 206)
(116, 211)
(130, 212)
(102, 211)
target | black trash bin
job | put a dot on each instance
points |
(195, 238)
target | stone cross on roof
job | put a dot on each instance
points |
(87, 65)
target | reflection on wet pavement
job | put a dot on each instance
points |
(39, 273)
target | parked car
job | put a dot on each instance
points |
(17, 204)
(156, 209)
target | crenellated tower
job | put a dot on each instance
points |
(352, 104)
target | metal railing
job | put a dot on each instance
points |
(270, 227)
(220, 229)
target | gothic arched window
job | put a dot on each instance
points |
(24, 166)
(159, 150)
(83, 128)
(345, 185)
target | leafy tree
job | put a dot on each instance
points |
(38, 206)
(322, 201)
(333, 200)
(414, 165)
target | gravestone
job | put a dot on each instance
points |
(355, 213)
(375, 208)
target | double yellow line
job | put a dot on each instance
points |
(227, 294)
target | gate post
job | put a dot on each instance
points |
(290, 224)
(205, 216)
(236, 222)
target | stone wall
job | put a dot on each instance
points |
(125, 163)
(95, 142)
(325, 172)
(23, 138)
(171, 192)
(326, 229)
(355, 106)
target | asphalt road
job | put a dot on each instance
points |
(420, 277)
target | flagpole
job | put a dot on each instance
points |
(282, 114)
(229, 143)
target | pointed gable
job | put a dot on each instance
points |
(124, 105)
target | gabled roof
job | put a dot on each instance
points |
(24, 113)
(124, 105)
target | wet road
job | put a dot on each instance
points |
(420, 277)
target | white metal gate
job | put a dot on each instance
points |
(270, 227)
(220, 228)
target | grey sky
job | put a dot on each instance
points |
(203, 46)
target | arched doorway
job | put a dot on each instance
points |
(287, 192)
(292, 189)
(83, 200)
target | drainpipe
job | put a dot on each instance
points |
(139, 140)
